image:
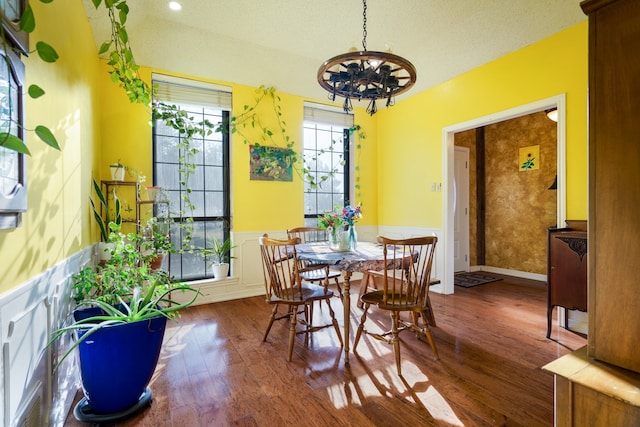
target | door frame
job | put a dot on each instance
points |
(559, 102)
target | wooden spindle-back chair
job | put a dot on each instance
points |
(284, 285)
(310, 235)
(402, 287)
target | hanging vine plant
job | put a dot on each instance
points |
(124, 72)
(46, 53)
(250, 118)
(360, 136)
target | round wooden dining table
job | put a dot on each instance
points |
(367, 256)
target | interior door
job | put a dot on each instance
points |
(461, 209)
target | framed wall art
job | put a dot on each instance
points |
(270, 163)
(529, 158)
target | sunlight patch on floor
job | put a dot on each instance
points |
(387, 383)
(428, 396)
(174, 339)
(438, 407)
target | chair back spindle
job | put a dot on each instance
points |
(408, 274)
(315, 235)
(281, 269)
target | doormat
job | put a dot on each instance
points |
(469, 280)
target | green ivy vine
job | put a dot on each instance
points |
(360, 136)
(47, 54)
(124, 72)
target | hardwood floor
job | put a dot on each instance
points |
(215, 370)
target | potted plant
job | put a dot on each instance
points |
(156, 240)
(152, 192)
(122, 306)
(117, 171)
(104, 247)
(220, 254)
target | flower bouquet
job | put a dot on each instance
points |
(340, 225)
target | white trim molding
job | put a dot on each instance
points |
(558, 101)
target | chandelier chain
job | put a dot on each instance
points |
(364, 24)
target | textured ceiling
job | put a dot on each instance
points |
(283, 42)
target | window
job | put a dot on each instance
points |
(327, 155)
(13, 183)
(209, 181)
(11, 12)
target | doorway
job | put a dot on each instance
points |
(449, 171)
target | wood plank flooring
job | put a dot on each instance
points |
(215, 370)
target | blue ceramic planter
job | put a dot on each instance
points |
(118, 361)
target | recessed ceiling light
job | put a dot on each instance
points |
(174, 5)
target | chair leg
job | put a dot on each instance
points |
(339, 289)
(364, 285)
(363, 319)
(428, 313)
(326, 288)
(395, 319)
(308, 314)
(273, 317)
(427, 332)
(292, 331)
(422, 330)
(335, 323)
(416, 318)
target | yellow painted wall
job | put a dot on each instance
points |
(265, 205)
(366, 176)
(256, 205)
(56, 224)
(410, 133)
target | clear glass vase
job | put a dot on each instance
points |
(353, 238)
(333, 236)
(343, 239)
(347, 238)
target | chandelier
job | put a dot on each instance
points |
(366, 75)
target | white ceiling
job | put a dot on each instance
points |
(283, 42)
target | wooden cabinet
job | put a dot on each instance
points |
(614, 181)
(591, 393)
(566, 269)
(600, 385)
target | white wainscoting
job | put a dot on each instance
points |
(246, 278)
(34, 394)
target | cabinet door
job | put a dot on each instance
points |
(614, 181)
(568, 270)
